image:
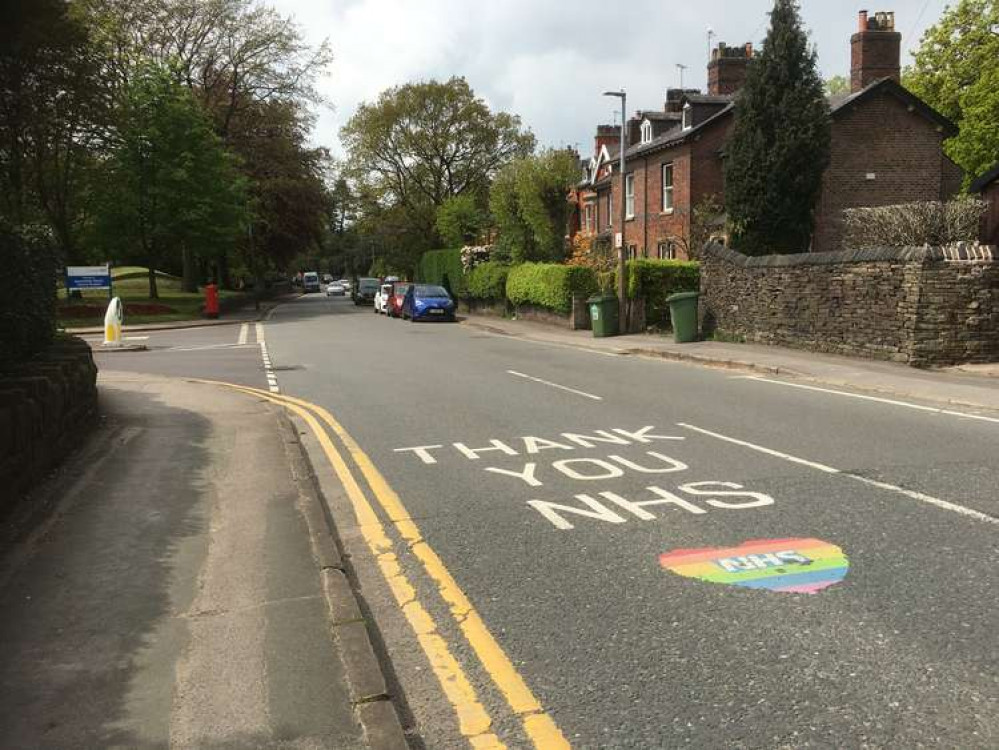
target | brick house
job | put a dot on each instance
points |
(887, 147)
(987, 186)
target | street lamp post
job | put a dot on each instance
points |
(622, 266)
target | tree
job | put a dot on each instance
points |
(529, 201)
(779, 148)
(170, 187)
(837, 85)
(459, 220)
(955, 71)
(422, 143)
(51, 116)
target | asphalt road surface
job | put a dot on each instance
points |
(660, 555)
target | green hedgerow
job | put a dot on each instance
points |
(549, 285)
(487, 281)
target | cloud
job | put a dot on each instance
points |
(548, 61)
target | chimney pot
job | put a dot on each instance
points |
(875, 51)
(863, 21)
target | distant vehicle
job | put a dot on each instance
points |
(345, 283)
(428, 302)
(327, 278)
(335, 290)
(310, 282)
(399, 290)
(365, 291)
(382, 298)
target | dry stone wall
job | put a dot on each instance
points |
(923, 306)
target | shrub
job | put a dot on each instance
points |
(442, 267)
(656, 280)
(27, 307)
(913, 224)
(549, 285)
(487, 281)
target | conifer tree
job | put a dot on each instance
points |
(780, 143)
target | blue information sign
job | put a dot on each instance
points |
(88, 277)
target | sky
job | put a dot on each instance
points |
(549, 61)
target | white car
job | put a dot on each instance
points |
(335, 290)
(345, 283)
(382, 298)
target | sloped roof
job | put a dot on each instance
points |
(842, 102)
(985, 180)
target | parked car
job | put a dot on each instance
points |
(382, 298)
(345, 283)
(398, 297)
(335, 290)
(310, 282)
(365, 291)
(428, 302)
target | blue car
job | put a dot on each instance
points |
(427, 302)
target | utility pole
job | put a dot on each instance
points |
(711, 35)
(622, 266)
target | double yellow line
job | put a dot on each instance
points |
(473, 720)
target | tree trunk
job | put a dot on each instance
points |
(154, 293)
(190, 272)
(224, 278)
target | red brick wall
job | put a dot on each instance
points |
(880, 136)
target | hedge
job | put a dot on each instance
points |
(28, 304)
(487, 281)
(442, 267)
(656, 280)
(549, 285)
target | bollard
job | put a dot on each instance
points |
(211, 301)
(112, 322)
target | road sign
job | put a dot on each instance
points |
(88, 277)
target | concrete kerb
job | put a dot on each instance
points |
(373, 705)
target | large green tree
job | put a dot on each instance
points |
(779, 148)
(529, 202)
(170, 187)
(956, 70)
(52, 117)
(422, 143)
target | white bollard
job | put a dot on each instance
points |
(112, 323)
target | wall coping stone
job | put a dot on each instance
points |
(961, 251)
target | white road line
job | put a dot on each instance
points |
(244, 333)
(761, 449)
(136, 338)
(878, 399)
(584, 394)
(922, 497)
(272, 384)
(201, 348)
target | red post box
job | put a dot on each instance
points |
(211, 301)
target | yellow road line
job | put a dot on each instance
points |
(473, 720)
(538, 725)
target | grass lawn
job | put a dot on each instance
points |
(132, 285)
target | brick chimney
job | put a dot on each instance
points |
(674, 99)
(727, 68)
(876, 51)
(607, 135)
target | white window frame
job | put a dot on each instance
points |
(632, 252)
(610, 207)
(588, 217)
(670, 250)
(688, 116)
(629, 195)
(668, 189)
(646, 131)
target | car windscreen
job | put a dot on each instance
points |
(427, 290)
(401, 289)
(310, 278)
(368, 285)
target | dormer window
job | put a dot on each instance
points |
(646, 131)
(688, 117)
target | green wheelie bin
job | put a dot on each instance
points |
(603, 315)
(683, 313)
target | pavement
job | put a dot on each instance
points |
(177, 585)
(966, 385)
(556, 544)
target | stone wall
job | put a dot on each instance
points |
(922, 306)
(47, 406)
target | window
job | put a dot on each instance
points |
(629, 195)
(667, 250)
(688, 117)
(646, 131)
(610, 209)
(668, 188)
(632, 252)
(588, 220)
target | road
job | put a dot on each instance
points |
(552, 541)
